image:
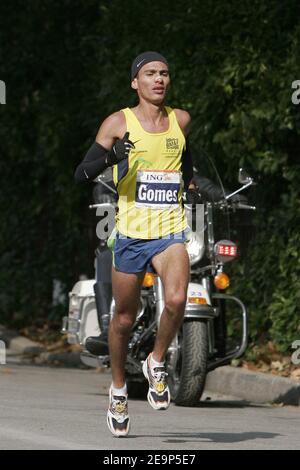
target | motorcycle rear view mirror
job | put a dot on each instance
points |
(243, 177)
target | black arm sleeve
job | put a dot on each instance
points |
(92, 165)
(187, 166)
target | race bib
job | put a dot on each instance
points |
(157, 189)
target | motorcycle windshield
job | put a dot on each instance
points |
(229, 223)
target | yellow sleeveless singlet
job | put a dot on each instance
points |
(149, 182)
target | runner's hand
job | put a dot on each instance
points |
(120, 150)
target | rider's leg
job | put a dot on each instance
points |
(103, 288)
(103, 297)
(172, 265)
(126, 290)
(98, 345)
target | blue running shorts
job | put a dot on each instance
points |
(133, 255)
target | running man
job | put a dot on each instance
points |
(146, 146)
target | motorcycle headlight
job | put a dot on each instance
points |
(195, 247)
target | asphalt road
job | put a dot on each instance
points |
(59, 408)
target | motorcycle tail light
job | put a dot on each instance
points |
(197, 300)
(225, 250)
(149, 280)
(221, 281)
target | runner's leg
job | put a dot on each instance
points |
(172, 265)
(126, 292)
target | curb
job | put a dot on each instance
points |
(24, 345)
(256, 387)
(66, 359)
(25, 351)
(19, 344)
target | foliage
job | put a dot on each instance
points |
(66, 67)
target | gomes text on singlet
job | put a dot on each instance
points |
(149, 182)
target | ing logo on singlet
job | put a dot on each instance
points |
(157, 189)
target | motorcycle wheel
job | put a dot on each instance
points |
(187, 367)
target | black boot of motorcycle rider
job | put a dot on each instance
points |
(98, 345)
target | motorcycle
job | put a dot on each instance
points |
(201, 344)
(90, 300)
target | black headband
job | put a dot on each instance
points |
(145, 58)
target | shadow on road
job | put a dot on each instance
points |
(206, 403)
(216, 403)
(216, 437)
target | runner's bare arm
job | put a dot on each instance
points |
(112, 128)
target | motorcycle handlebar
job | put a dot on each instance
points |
(234, 205)
(223, 204)
(245, 206)
(106, 205)
(237, 205)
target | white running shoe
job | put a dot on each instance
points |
(118, 420)
(158, 394)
